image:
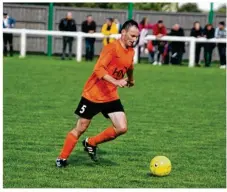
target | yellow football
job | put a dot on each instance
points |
(160, 166)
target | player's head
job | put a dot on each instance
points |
(130, 33)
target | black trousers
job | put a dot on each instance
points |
(208, 50)
(198, 48)
(89, 49)
(67, 41)
(7, 39)
(222, 53)
(176, 57)
(139, 53)
(159, 50)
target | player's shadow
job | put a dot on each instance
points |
(81, 158)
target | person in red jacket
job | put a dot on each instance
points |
(159, 30)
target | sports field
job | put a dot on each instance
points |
(174, 111)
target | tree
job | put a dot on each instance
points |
(222, 9)
(165, 7)
(189, 7)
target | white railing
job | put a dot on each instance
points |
(80, 35)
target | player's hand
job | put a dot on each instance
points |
(130, 83)
(121, 83)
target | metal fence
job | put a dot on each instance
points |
(36, 17)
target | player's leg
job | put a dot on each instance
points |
(85, 110)
(71, 141)
(115, 111)
(118, 127)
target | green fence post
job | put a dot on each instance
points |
(130, 10)
(210, 20)
(50, 28)
(211, 13)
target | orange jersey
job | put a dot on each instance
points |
(114, 60)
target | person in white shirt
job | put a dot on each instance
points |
(220, 32)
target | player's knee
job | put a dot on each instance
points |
(122, 130)
(84, 123)
(81, 127)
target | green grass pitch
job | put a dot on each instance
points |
(174, 111)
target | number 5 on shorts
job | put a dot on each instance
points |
(83, 109)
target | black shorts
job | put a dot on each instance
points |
(88, 109)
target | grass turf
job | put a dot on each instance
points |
(178, 112)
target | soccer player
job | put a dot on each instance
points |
(100, 94)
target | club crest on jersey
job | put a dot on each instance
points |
(119, 73)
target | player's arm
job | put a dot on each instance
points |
(100, 69)
(130, 80)
(130, 75)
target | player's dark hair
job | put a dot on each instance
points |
(129, 24)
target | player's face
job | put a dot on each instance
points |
(130, 36)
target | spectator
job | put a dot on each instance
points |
(159, 30)
(143, 28)
(151, 50)
(220, 32)
(109, 28)
(208, 33)
(8, 22)
(197, 32)
(89, 26)
(177, 47)
(118, 25)
(144, 24)
(67, 24)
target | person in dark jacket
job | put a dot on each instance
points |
(67, 24)
(177, 47)
(208, 33)
(197, 32)
(89, 26)
(8, 22)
